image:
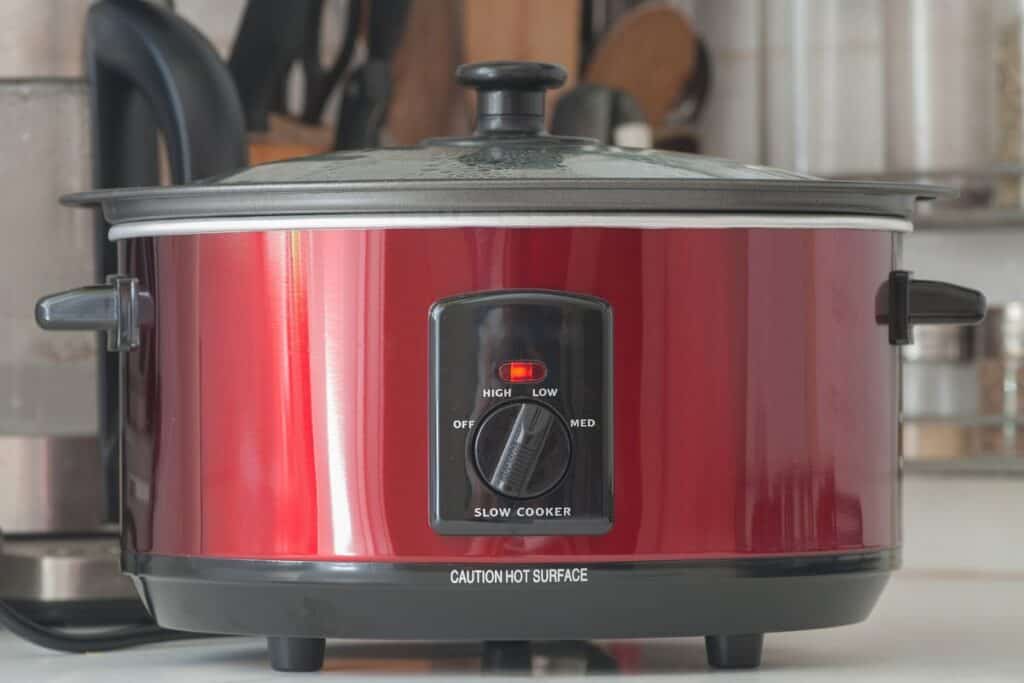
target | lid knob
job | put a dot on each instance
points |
(510, 95)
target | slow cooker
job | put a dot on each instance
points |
(511, 387)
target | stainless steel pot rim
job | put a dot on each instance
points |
(558, 195)
(438, 221)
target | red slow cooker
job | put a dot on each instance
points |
(511, 387)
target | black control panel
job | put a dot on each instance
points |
(521, 414)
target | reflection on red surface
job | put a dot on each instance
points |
(279, 408)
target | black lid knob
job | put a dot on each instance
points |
(510, 95)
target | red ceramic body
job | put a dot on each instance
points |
(277, 407)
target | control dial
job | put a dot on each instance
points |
(522, 449)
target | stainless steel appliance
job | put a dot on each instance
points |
(58, 423)
(52, 493)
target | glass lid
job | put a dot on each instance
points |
(509, 165)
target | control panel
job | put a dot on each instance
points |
(521, 414)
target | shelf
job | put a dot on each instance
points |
(981, 465)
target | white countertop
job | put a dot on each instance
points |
(928, 627)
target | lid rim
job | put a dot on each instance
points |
(505, 195)
(779, 184)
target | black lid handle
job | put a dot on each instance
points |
(510, 95)
(904, 302)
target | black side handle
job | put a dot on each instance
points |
(118, 309)
(904, 302)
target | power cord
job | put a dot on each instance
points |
(115, 639)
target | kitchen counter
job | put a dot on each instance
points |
(930, 626)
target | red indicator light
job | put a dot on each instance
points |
(522, 371)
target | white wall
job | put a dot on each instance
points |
(991, 260)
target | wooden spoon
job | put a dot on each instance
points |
(650, 52)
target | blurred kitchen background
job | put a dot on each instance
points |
(922, 90)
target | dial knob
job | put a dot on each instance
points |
(522, 449)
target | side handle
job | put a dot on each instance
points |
(118, 308)
(904, 302)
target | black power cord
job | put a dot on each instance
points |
(115, 639)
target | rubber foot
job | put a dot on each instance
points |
(510, 656)
(734, 652)
(296, 654)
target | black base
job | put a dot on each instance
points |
(734, 652)
(296, 654)
(516, 656)
(307, 654)
(304, 602)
